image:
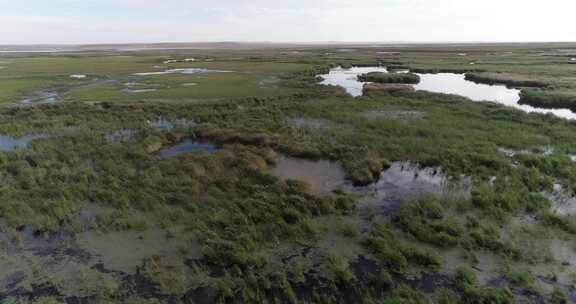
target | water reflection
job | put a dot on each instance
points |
(405, 181)
(323, 176)
(182, 71)
(447, 83)
(9, 143)
(187, 145)
(348, 78)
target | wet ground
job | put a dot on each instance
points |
(563, 201)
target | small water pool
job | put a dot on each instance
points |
(323, 176)
(10, 143)
(188, 145)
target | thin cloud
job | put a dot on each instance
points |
(100, 21)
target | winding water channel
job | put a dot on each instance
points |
(447, 83)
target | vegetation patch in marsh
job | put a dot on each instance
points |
(549, 99)
(393, 114)
(505, 78)
(385, 88)
(312, 123)
(380, 77)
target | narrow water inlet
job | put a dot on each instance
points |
(181, 71)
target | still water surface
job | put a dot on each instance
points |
(447, 83)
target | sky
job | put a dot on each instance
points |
(147, 21)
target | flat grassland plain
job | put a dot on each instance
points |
(231, 175)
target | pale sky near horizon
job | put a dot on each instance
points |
(125, 21)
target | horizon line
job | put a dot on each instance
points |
(329, 42)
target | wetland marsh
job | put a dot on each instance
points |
(264, 176)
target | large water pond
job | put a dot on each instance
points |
(447, 83)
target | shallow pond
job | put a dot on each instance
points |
(42, 96)
(121, 135)
(188, 145)
(323, 176)
(9, 143)
(163, 124)
(405, 181)
(447, 83)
